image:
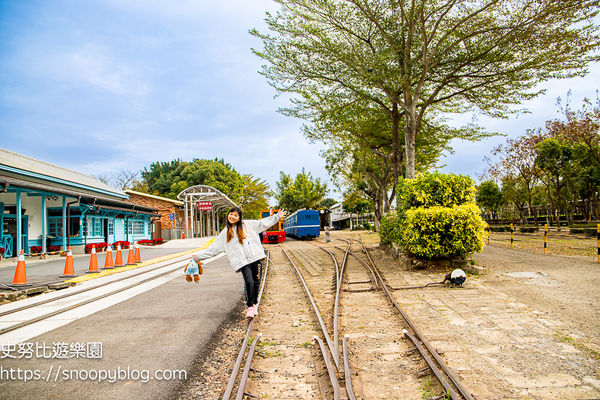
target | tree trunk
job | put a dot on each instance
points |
(410, 134)
(396, 145)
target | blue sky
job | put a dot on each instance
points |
(98, 86)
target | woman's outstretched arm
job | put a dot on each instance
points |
(216, 247)
(262, 225)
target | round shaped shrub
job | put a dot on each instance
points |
(443, 232)
(435, 189)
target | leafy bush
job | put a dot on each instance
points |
(123, 243)
(100, 246)
(436, 189)
(528, 229)
(389, 230)
(437, 217)
(502, 228)
(36, 249)
(586, 231)
(443, 232)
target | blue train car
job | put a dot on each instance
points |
(303, 224)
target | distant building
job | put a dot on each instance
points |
(170, 224)
(344, 220)
(45, 205)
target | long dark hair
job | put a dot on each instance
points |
(238, 226)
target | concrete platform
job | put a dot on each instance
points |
(47, 272)
(162, 330)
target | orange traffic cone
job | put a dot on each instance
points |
(138, 258)
(20, 278)
(69, 271)
(131, 256)
(119, 258)
(183, 235)
(93, 262)
(108, 263)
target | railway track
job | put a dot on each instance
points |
(337, 362)
(249, 357)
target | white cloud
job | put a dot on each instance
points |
(94, 65)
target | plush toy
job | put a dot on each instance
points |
(193, 268)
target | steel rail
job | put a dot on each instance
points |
(463, 391)
(367, 266)
(336, 337)
(332, 376)
(64, 296)
(71, 307)
(347, 372)
(244, 378)
(238, 362)
(337, 267)
(445, 384)
(333, 348)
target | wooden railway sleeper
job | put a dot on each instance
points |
(424, 372)
(438, 373)
(358, 282)
(371, 289)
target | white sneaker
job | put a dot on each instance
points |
(255, 310)
(250, 313)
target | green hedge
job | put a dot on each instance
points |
(527, 229)
(443, 232)
(436, 189)
(437, 217)
(389, 230)
(586, 231)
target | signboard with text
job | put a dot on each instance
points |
(205, 205)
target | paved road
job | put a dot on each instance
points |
(165, 328)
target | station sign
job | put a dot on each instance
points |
(204, 205)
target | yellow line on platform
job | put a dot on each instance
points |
(107, 272)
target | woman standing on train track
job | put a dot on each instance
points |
(240, 241)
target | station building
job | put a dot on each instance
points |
(45, 205)
(170, 225)
(340, 219)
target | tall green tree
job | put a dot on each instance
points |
(412, 58)
(490, 198)
(357, 202)
(360, 149)
(580, 129)
(304, 191)
(169, 178)
(515, 193)
(554, 169)
(517, 165)
(253, 196)
(328, 202)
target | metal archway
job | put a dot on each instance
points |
(203, 222)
